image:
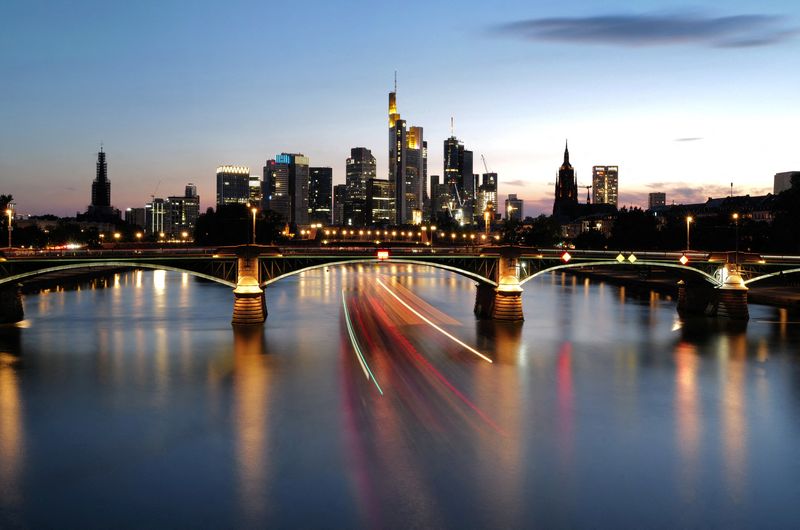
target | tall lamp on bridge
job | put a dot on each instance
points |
(255, 211)
(10, 214)
(736, 222)
(689, 220)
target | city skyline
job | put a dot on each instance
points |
(669, 107)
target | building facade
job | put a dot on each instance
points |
(380, 202)
(360, 168)
(320, 194)
(783, 181)
(233, 185)
(339, 201)
(459, 179)
(514, 208)
(656, 199)
(286, 177)
(408, 164)
(605, 184)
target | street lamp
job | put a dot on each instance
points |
(689, 220)
(736, 222)
(433, 233)
(255, 211)
(10, 214)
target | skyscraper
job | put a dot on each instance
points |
(605, 184)
(565, 204)
(360, 168)
(408, 163)
(182, 212)
(101, 208)
(286, 177)
(320, 191)
(233, 185)
(487, 194)
(459, 179)
(514, 207)
(380, 202)
(254, 184)
(339, 200)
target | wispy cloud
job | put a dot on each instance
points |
(736, 31)
(689, 139)
(517, 182)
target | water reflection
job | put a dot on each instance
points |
(12, 439)
(601, 409)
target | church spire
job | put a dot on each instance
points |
(566, 152)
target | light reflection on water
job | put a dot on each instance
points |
(599, 410)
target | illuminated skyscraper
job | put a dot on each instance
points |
(514, 208)
(286, 178)
(380, 202)
(254, 184)
(487, 194)
(459, 179)
(339, 201)
(320, 191)
(408, 163)
(605, 184)
(360, 168)
(233, 185)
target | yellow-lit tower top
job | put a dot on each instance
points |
(393, 115)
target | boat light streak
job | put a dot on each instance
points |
(364, 366)
(420, 315)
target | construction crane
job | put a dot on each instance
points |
(485, 166)
(588, 198)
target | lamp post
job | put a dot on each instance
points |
(255, 211)
(736, 222)
(689, 220)
(433, 233)
(10, 214)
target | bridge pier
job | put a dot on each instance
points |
(249, 302)
(728, 301)
(732, 302)
(505, 301)
(11, 309)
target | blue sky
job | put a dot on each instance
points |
(175, 89)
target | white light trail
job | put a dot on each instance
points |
(427, 321)
(367, 372)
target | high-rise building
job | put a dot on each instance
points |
(783, 181)
(135, 217)
(360, 168)
(182, 212)
(286, 178)
(255, 191)
(379, 202)
(487, 194)
(155, 216)
(605, 184)
(408, 163)
(565, 204)
(656, 199)
(339, 200)
(459, 179)
(101, 208)
(233, 185)
(320, 194)
(514, 208)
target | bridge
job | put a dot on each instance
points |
(713, 284)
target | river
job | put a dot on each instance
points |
(373, 398)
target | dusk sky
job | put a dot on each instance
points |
(684, 99)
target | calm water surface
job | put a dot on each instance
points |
(138, 406)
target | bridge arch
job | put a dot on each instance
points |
(770, 275)
(462, 272)
(105, 264)
(708, 277)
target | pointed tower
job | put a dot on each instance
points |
(566, 192)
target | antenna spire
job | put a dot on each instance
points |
(452, 127)
(395, 81)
